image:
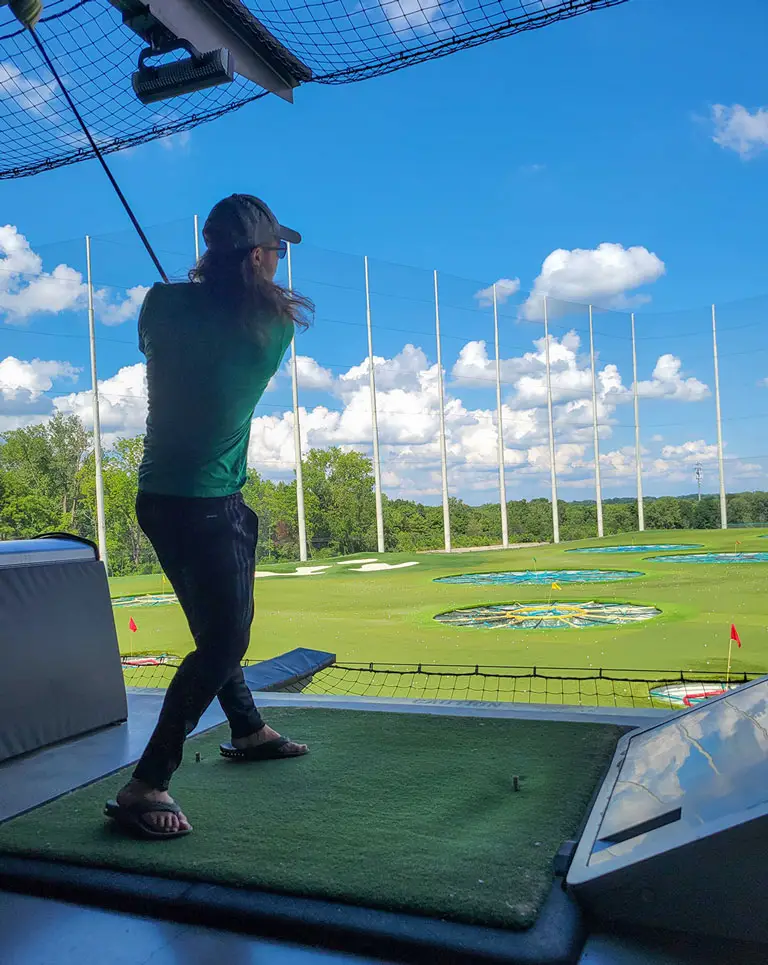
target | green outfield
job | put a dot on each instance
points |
(388, 616)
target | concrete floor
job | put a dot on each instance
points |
(37, 931)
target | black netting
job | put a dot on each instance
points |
(340, 40)
(591, 687)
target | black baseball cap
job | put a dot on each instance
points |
(242, 222)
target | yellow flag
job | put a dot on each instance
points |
(556, 586)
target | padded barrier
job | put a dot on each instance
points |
(60, 672)
(288, 670)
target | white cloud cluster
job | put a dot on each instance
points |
(691, 452)
(23, 388)
(407, 16)
(741, 130)
(27, 290)
(23, 385)
(176, 142)
(505, 289)
(408, 415)
(598, 276)
(667, 382)
(407, 388)
(122, 403)
(116, 312)
(408, 410)
(32, 94)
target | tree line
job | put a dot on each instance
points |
(47, 484)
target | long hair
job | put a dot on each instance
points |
(252, 300)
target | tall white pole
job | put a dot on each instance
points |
(374, 419)
(443, 451)
(101, 524)
(723, 504)
(638, 462)
(552, 470)
(197, 241)
(297, 436)
(500, 426)
(596, 435)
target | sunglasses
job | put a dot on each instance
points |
(281, 248)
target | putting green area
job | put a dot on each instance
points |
(388, 616)
(404, 812)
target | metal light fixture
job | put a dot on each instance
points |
(222, 37)
(193, 73)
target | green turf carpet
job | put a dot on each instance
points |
(403, 812)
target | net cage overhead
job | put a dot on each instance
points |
(339, 41)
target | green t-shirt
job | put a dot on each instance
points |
(205, 376)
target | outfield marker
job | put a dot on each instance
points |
(734, 636)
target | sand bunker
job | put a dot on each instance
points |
(375, 567)
(300, 571)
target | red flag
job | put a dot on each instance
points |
(735, 635)
(133, 628)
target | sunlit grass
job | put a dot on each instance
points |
(389, 616)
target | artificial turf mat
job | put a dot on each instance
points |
(403, 812)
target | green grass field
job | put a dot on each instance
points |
(389, 616)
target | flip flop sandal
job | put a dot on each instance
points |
(268, 751)
(130, 817)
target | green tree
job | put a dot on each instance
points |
(339, 500)
(128, 549)
(40, 467)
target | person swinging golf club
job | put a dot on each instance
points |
(211, 344)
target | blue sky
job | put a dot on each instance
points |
(597, 130)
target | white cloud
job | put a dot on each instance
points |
(505, 289)
(408, 413)
(27, 290)
(740, 130)
(34, 95)
(23, 384)
(311, 375)
(33, 377)
(600, 276)
(176, 142)
(691, 452)
(407, 16)
(122, 403)
(667, 383)
(116, 312)
(402, 371)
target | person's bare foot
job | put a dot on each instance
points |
(291, 749)
(159, 820)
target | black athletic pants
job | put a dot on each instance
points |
(207, 548)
